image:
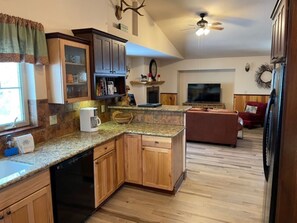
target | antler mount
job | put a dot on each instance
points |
(119, 9)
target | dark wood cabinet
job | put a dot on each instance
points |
(102, 54)
(108, 63)
(279, 31)
(118, 57)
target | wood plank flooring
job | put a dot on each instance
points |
(223, 185)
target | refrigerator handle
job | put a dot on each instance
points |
(266, 135)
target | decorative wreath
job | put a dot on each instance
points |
(258, 76)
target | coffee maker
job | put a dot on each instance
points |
(89, 120)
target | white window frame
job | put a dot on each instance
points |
(24, 103)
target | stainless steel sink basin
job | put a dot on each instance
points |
(11, 169)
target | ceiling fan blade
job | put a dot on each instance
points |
(215, 28)
(216, 23)
(191, 28)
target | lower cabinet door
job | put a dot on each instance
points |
(104, 175)
(120, 163)
(157, 171)
(133, 158)
(35, 208)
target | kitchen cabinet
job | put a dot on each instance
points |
(133, 158)
(68, 74)
(168, 98)
(120, 160)
(154, 161)
(161, 161)
(108, 63)
(109, 55)
(28, 201)
(104, 171)
(279, 31)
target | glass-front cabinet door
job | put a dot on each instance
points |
(69, 71)
(76, 70)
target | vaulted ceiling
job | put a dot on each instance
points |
(247, 26)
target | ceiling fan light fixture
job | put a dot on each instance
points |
(202, 31)
(199, 32)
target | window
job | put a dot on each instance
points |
(13, 100)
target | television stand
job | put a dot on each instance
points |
(205, 105)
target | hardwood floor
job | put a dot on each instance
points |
(223, 184)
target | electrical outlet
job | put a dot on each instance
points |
(53, 120)
(102, 108)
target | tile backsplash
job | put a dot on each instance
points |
(67, 119)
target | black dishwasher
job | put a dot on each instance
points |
(73, 188)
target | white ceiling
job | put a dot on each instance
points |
(247, 26)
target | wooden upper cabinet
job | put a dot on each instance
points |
(118, 57)
(279, 31)
(109, 51)
(102, 54)
(68, 73)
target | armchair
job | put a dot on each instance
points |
(254, 114)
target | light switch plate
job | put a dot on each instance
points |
(53, 120)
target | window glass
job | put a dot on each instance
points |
(13, 104)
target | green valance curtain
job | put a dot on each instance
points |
(22, 40)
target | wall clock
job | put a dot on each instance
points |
(153, 69)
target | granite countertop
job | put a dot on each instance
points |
(59, 149)
(169, 108)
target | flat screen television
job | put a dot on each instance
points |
(204, 93)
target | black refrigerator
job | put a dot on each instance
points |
(271, 142)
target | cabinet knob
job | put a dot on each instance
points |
(8, 212)
(156, 142)
(1, 217)
(96, 162)
(105, 148)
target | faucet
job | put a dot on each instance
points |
(13, 124)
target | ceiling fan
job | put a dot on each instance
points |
(204, 27)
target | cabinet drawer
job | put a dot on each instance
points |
(155, 141)
(103, 149)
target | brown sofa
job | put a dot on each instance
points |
(212, 126)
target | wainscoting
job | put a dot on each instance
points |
(240, 100)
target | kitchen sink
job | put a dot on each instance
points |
(11, 169)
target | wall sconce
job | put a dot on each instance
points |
(247, 67)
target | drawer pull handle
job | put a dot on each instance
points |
(156, 142)
(8, 212)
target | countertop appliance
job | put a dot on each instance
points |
(150, 105)
(271, 143)
(89, 120)
(72, 183)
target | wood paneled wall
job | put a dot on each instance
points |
(240, 100)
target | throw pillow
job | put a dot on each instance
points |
(251, 109)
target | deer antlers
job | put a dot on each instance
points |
(120, 9)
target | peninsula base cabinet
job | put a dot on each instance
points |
(28, 201)
(154, 161)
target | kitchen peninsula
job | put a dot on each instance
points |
(142, 153)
